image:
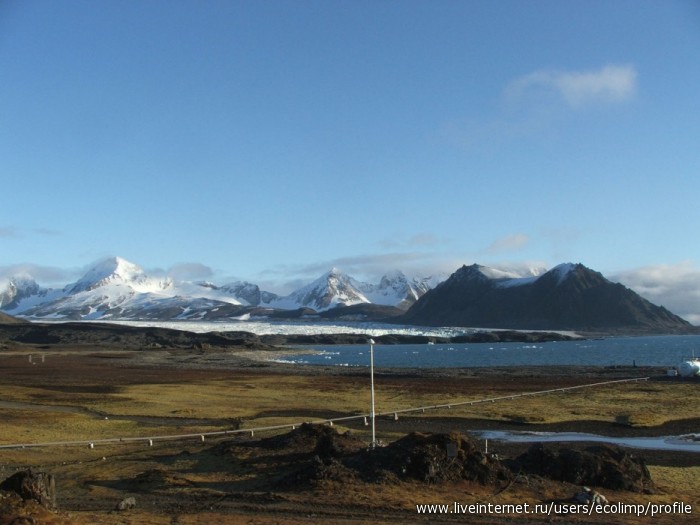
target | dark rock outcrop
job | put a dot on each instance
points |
(601, 466)
(361, 312)
(30, 485)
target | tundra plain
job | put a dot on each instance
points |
(89, 393)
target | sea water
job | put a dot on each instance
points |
(656, 351)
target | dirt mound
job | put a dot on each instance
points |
(428, 458)
(601, 466)
(320, 440)
(314, 470)
(156, 479)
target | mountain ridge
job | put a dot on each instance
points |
(118, 289)
(568, 296)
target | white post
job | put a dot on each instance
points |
(371, 391)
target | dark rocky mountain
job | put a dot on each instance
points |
(248, 292)
(568, 297)
(361, 312)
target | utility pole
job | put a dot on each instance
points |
(371, 390)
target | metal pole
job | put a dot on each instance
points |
(371, 391)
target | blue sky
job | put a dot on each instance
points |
(272, 140)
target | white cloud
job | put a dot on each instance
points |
(612, 83)
(190, 271)
(535, 104)
(509, 243)
(373, 264)
(674, 286)
(45, 275)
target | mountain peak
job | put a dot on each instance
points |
(473, 270)
(565, 269)
(334, 288)
(17, 288)
(335, 272)
(120, 267)
(391, 277)
(478, 271)
(110, 269)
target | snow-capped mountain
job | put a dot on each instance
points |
(118, 289)
(115, 271)
(394, 289)
(569, 296)
(246, 292)
(336, 288)
(332, 289)
(16, 289)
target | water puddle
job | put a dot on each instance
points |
(684, 443)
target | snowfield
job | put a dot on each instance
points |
(263, 327)
(303, 328)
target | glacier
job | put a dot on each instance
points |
(267, 327)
